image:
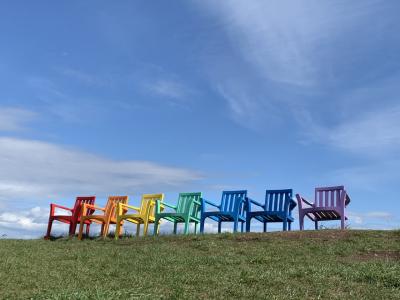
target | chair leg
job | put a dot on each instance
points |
(105, 231)
(80, 229)
(219, 226)
(138, 229)
(121, 229)
(145, 227)
(202, 225)
(175, 227)
(186, 230)
(242, 226)
(49, 229)
(248, 224)
(342, 219)
(156, 226)
(87, 229)
(72, 229)
(102, 229)
(195, 227)
(235, 225)
(290, 225)
(285, 225)
(316, 225)
(301, 221)
(117, 229)
(265, 226)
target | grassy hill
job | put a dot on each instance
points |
(293, 265)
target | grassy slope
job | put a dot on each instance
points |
(325, 264)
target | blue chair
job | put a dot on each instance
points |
(232, 209)
(277, 208)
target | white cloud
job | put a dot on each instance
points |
(286, 41)
(173, 91)
(372, 220)
(167, 88)
(38, 170)
(32, 219)
(284, 53)
(14, 119)
(30, 223)
(247, 108)
(371, 133)
(84, 77)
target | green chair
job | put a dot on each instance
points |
(186, 211)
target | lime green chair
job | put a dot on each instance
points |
(142, 215)
(187, 211)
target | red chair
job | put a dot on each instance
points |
(72, 219)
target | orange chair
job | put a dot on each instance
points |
(106, 218)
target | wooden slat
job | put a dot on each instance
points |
(326, 198)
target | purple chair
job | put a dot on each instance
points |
(329, 204)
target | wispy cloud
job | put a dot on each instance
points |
(85, 77)
(247, 108)
(14, 119)
(373, 220)
(30, 220)
(293, 53)
(55, 98)
(362, 121)
(38, 170)
(167, 88)
(369, 176)
(286, 41)
(370, 133)
(171, 90)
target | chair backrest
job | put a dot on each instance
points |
(76, 211)
(230, 201)
(112, 202)
(148, 203)
(186, 205)
(275, 200)
(333, 196)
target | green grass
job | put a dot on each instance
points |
(324, 264)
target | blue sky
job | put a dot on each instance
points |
(139, 97)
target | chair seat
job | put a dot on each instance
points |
(175, 217)
(219, 216)
(99, 219)
(137, 218)
(322, 214)
(270, 216)
(67, 219)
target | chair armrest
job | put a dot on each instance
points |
(292, 204)
(255, 202)
(163, 204)
(347, 200)
(306, 202)
(53, 206)
(93, 207)
(123, 205)
(211, 203)
(123, 208)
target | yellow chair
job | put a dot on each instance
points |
(108, 217)
(144, 214)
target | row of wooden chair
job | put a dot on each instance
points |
(235, 206)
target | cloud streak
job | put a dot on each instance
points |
(288, 56)
(14, 119)
(38, 170)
